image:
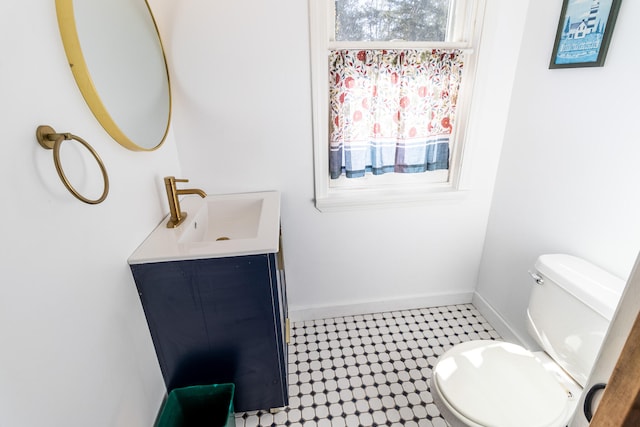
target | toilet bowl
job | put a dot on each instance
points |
(495, 383)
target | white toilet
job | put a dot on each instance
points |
(499, 384)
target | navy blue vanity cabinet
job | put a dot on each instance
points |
(220, 320)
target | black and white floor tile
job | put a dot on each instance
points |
(371, 369)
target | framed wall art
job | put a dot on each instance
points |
(584, 33)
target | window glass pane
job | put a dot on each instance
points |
(385, 20)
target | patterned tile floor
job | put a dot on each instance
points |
(369, 370)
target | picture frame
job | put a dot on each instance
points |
(584, 33)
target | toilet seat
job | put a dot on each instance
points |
(494, 383)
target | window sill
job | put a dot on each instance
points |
(340, 200)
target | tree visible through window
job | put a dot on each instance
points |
(385, 20)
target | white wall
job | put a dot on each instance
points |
(568, 176)
(241, 79)
(75, 349)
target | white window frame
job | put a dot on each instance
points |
(348, 194)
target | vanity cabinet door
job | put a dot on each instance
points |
(219, 320)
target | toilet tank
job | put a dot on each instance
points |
(570, 310)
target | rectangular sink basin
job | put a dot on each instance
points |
(216, 226)
(228, 219)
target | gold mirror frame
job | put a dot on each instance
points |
(80, 69)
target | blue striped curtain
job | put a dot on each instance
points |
(392, 110)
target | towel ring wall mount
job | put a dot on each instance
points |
(50, 140)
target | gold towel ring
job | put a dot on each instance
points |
(49, 139)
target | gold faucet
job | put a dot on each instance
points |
(174, 204)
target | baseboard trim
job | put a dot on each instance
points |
(299, 314)
(496, 320)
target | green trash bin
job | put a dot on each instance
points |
(199, 406)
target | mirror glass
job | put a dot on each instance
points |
(116, 56)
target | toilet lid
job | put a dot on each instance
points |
(500, 384)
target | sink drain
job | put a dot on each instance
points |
(222, 238)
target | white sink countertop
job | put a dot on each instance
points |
(216, 226)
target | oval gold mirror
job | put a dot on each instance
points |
(116, 56)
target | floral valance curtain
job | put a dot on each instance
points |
(391, 110)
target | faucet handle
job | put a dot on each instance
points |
(169, 179)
